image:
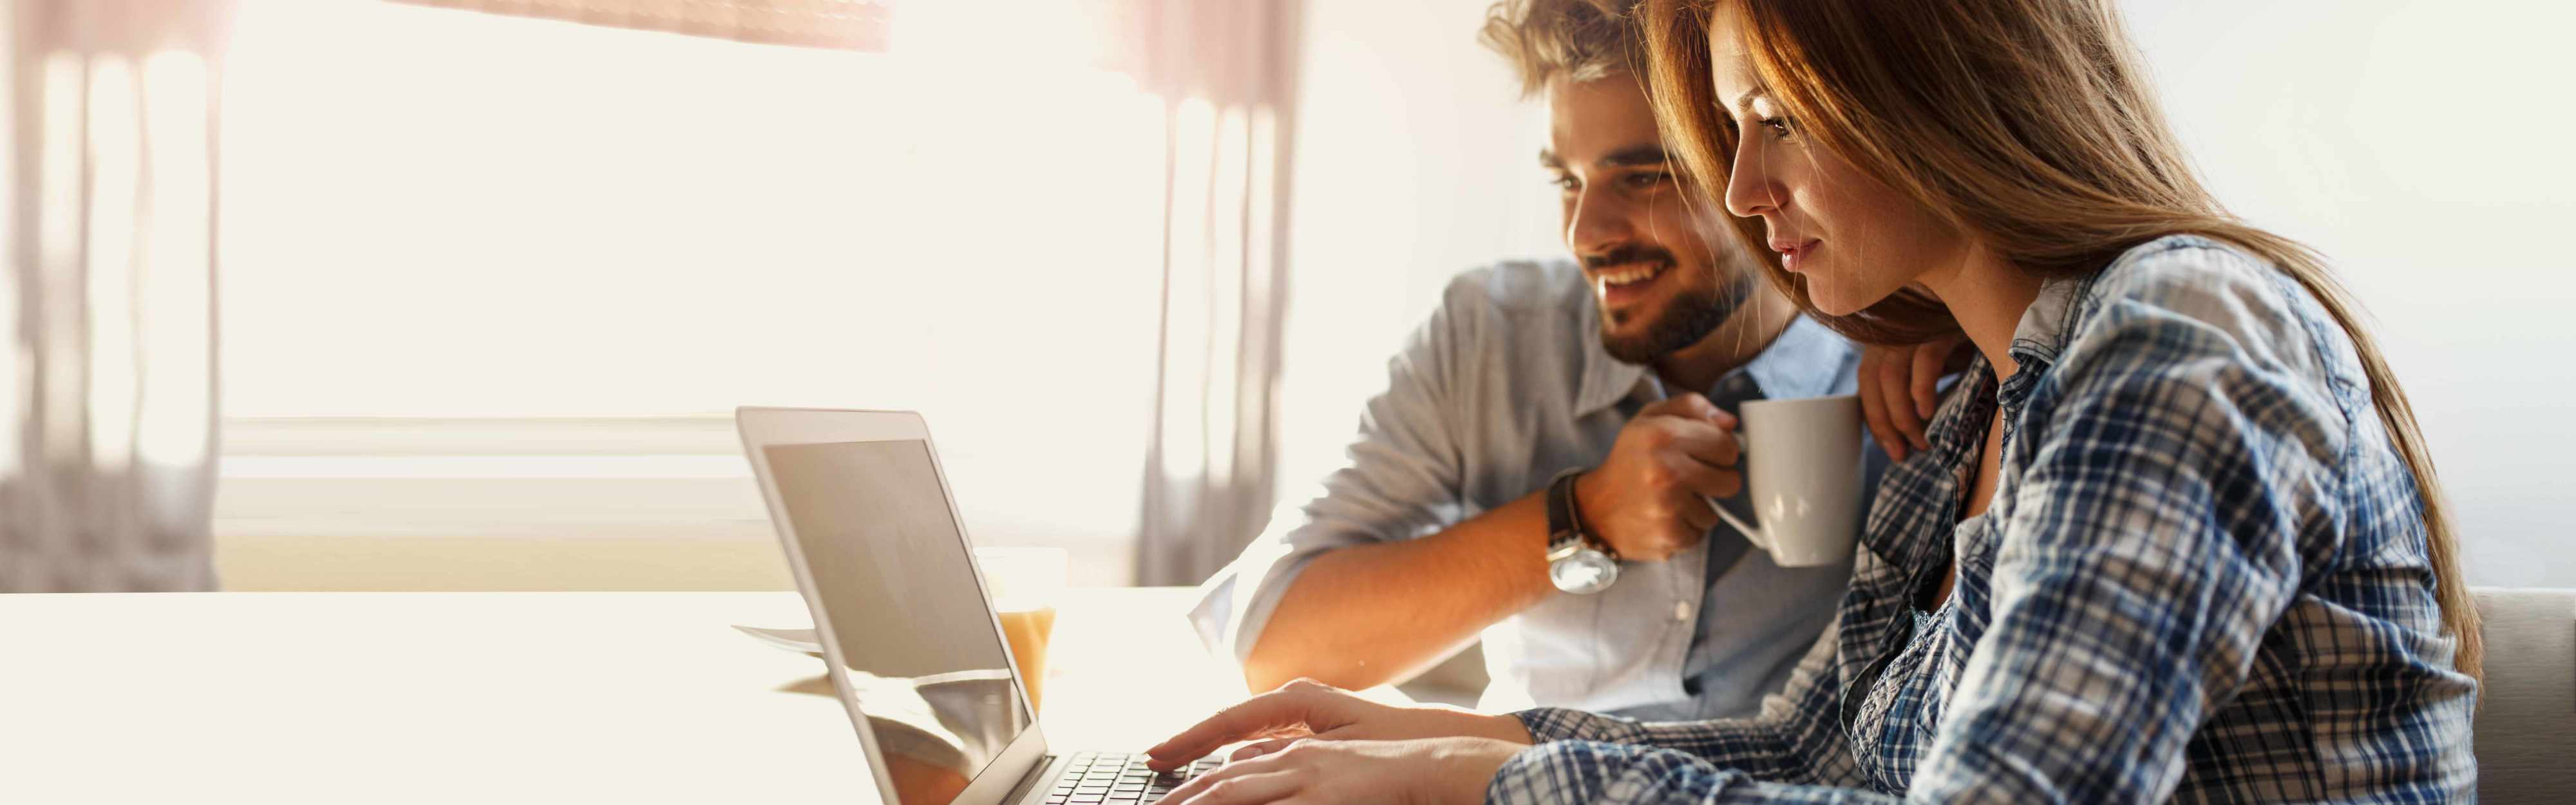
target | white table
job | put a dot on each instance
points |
(501, 697)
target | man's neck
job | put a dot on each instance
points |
(1733, 344)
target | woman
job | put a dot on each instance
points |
(2176, 537)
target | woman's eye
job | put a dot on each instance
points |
(1779, 126)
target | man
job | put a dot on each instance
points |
(1609, 381)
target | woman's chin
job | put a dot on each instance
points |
(1833, 297)
(1829, 299)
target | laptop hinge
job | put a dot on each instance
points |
(1032, 782)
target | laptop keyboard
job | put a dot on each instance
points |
(1112, 778)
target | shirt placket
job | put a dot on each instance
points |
(1685, 588)
(1938, 527)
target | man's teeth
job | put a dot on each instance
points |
(1631, 276)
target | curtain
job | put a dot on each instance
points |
(107, 425)
(1225, 69)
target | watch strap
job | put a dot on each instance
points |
(1565, 517)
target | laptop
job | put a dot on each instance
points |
(909, 636)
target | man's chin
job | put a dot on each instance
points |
(1643, 332)
(1632, 347)
(1628, 332)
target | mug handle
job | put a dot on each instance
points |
(1751, 534)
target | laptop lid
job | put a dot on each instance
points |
(909, 635)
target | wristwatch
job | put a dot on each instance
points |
(1577, 561)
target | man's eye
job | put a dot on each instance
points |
(1648, 179)
(1566, 183)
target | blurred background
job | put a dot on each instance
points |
(458, 295)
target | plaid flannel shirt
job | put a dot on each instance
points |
(2202, 578)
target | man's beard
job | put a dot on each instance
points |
(1686, 320)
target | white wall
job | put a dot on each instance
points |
(2423, 146)
(1415, 160)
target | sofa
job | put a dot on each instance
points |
(2526, 723)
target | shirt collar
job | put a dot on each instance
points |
(2042, 329)
(1606, 380)
(1794, 366)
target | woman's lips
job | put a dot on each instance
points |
(1793, 254)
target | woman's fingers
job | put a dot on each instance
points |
(1251, 751)
(1251, 717)
(1252, 789)
(1294, 708)
(1239, 784)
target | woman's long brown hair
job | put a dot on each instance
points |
(2027, 123)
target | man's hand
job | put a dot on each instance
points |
(1306, 708)
(1646, 499)
(1897, 389)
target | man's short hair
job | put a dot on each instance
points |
(1579, 39)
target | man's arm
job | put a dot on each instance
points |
(1367, 615)
(1344, 592)
(1405, 477)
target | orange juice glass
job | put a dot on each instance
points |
(1025, 584)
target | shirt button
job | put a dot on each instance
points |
(1681, 610)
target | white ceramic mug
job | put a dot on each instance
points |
(1802, 466)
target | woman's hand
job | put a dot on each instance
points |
(1435, 771)
(1897, 389)
(1306, 708)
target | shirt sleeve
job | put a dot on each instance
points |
(1590, 771)
(1402, 480)
(1584, 756)
(2152, 544)
(2148, 551)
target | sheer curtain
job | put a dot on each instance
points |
(1226, 72)
(106, 475)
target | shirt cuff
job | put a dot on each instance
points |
(1592, 771)
(1236, 603)
(1559, 724)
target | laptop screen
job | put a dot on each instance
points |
(890, 569)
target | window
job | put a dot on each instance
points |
(511, 275)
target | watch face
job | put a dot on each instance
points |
(1584, 571)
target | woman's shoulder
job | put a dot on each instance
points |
(2196, 281)
(2189, 297)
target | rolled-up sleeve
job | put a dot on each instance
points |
(1792, 753)
(1584, 757)
(1402, 480)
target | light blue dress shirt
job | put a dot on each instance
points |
(1506, 385)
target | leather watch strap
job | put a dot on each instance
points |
(1565, 516)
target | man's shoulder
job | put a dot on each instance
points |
(1519, 322)
(1513, 312)
(1517, 287)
